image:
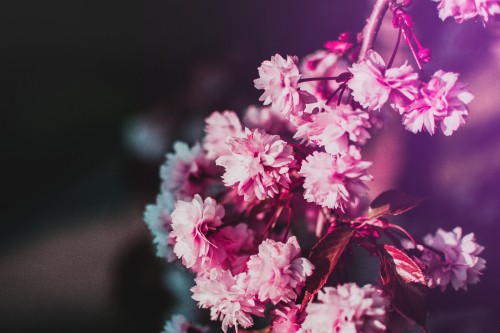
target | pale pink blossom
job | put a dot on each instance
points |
(218, 127)
(179, 324)
(227, 297)
(191, 223)
(278, 272)
(337, 181)
(452, 258)
(463, 10)
(268, 119)
(286, 318)
(335, 127)
(186, 171)
(322, 63)
(258, 164)
(373, 85)
(157, 218)
(347, 309)
(443, 101)
(279, 78)
(234, 246)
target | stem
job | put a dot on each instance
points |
(395, 49)
(326, 78)
(372, 27)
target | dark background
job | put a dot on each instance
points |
(79, 78)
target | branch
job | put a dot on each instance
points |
(372, 27)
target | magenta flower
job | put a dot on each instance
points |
(335, 127)
(258, 164)
(373, 85)
(452, 259)
(191, 222)
(335, 182)
(463, 10)
(157, 218)
(179, 324)
(220, 126)
(227, 297)
(186, 172)
(286, 319)
(347, 309)
(442, 101)
(279, 78)
(277, 272)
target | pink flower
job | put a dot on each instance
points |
(286, 319)
(268, 119)
(335, 182)
(463, 10)
(279, 78)
(157, 218)
(258, 164)
(186, 172)
(455, 259)
(277, 272)
(179, 324)
(227, 297)
(373, 85)
(220, 126)
(335, 127)
(322, 63)
(443, 100)
(347, 309)
(191, 222)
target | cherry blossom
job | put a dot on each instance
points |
(227, 297)
(186, 172)
(373, 85)
(277, 271)
(452, 258)
(442, 101)
(268, 119)
(347, 309)
(463, 10)
(179, 324)
(258, 164)
(220, 126)
(157, 218)
(335, 181)
(286, 318)
(279, 78)
(335, 127)
(191, 222)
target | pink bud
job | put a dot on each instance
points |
(424, 54)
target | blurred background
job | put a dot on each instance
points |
(94, 94)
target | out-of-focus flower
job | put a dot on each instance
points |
(335, 181)
(456, 262)
(186, 172)
(279, 78)
(258, 164)
(442, 101)
(373, 85)
(277, 272)
(179, 324)
(227, 297)
(463, 10)
(191, 222)
(286, 319)
(268, 119)
(157, 218)
(220, 126)
(334, 127)
(347, 309)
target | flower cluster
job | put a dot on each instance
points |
(232, 208)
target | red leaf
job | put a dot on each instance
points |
(324, 256)
(404, 282)
(393, 202)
